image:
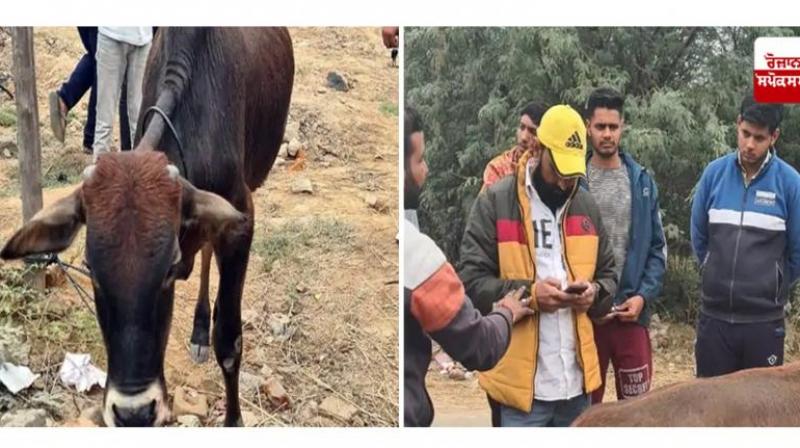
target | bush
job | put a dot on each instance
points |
(680, 299)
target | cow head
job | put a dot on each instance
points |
(133, 205)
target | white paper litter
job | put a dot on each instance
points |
(16, 378)
(78, 371)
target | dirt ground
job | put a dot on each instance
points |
(463, 403)
(320, 302)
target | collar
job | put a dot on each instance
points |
(760, 168)
(411, 216)
(529, 167)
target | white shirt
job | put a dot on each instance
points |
(558, 374)
(134, 35)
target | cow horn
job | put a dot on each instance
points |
(88, 172)
(173, 172)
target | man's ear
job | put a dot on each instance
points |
(52, 229)
(775, 134)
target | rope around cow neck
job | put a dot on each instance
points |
(163, 114)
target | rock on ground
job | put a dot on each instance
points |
(292, 131)
(25, 418)
(250, 419)
(294, 148)
(276, 393)
(189, 421)
(250, 384)
(189, 401)
(93, 414)
(376, 203)
(81, 422)
(302, 185)
(338, 81)
(337, 409)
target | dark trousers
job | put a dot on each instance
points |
(723, 347)
(83, 78)
(495, 408)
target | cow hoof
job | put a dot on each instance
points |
(199, 353)
(238, 422)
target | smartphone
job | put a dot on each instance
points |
(576, 288)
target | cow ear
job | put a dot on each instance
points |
(210, 210)
(50, 230)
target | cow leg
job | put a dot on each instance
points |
(199, 342)
(232, 251)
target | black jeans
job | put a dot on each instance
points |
(83, 78)
(723, 347)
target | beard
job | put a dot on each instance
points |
(552, 196)
(605, 153)
(411, 193)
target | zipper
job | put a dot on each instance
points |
(778, 275)
(528, 237)
(526, 220)
(761, 172)
(569, 269)
(736, 252)
(578, 350)
(535, 362)
(564, 235)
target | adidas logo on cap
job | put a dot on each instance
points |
(574, 141)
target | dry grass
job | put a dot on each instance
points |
(342, 336)
(43, 328)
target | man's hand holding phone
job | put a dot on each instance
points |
(585, 293)
(550, 296)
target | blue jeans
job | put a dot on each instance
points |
(546, 413)
(82, 79)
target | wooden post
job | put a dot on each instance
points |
(28, 142)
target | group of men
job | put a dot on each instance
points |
(578, 233)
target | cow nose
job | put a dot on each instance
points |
(137, 416)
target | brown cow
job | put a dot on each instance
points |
(224, 94)
(768, 396)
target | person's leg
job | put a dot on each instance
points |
(633, 363)
(136, 66)
(79, 81)
(89, 39)
(124, 124)
(568, 410)
(91, 114)
(541, 415)
(715, 350)
(603, 335)
(70, 92)
(763, 344)
(110, 71)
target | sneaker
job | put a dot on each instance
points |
(58, 119)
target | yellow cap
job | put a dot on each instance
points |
(562, 132)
